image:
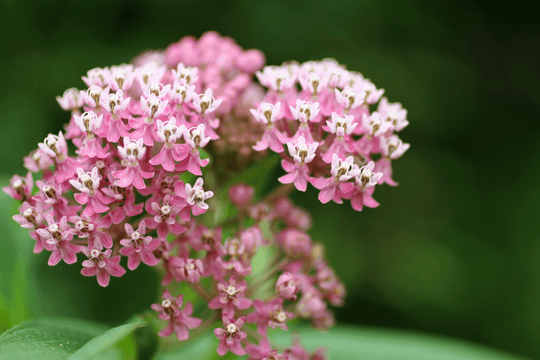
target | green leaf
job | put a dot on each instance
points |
(74, 339)
(108, 339)
(349, 342)
(47, 338)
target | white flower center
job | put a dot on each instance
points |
(231, 290)
(231, 328)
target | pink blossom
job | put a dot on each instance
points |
(179, 320)
(188, 154)
(165, 218)
(90, 227)
(30, 216)
(193, 197)
(56, 148)
(121, 77)
(276, 78)
(241, 194)
(101, 264)
(302, 154)
(269, 314)
(393, 114)
(230, 337)
(57, 236)
(361, 192)
(185, 74)
(206, 103)
(188, 270)
(124, 199)
(264, 351)
(168, 133)
(294, 242)
(272, 138)
(90, 195)
(230, 297)
(393, 147)
(20, 188)
(138, 247)
(37, 161)
(70, 100)
(341, 172)
(348, 98)
(132, 152)
(287, 286)
(238, 262)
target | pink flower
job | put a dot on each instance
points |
(206, 103)
(30, 216)
(287, 286)
(361, 192)
(58, 235)
(179, 320)
(188, 154)
(393, 147)
(20, 188)
(132, 152)
(101, 265)
(70, 100)
(348, 98)
(264, 351)
(121, 77)
(139, 247)
(194, 198)
(341, 172)
(188, 270)
(393, 114)
(168, 133)
(269, 314)
(272, 138)
(241, 195)
(294, 242)
(302, 154)
(230, 337)
(90, 195)
(231, 297)
(165, 217)
(90, 227)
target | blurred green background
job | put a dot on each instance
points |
(454, 250)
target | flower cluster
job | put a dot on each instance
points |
(321, 112)
(133, 190)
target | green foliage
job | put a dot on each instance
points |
(47, 338)
(353, 343)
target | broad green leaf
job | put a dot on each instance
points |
(107, 340)
(47, 338)
(348, 342)
(75, 339)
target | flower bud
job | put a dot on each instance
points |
(241, 195)
(287, 286)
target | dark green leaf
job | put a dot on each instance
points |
(347, 342)
(107, 340)
(47, 338)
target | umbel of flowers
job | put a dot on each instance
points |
(133, 190)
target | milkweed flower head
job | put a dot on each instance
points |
(138, 187)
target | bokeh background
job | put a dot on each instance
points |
(454, 250)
